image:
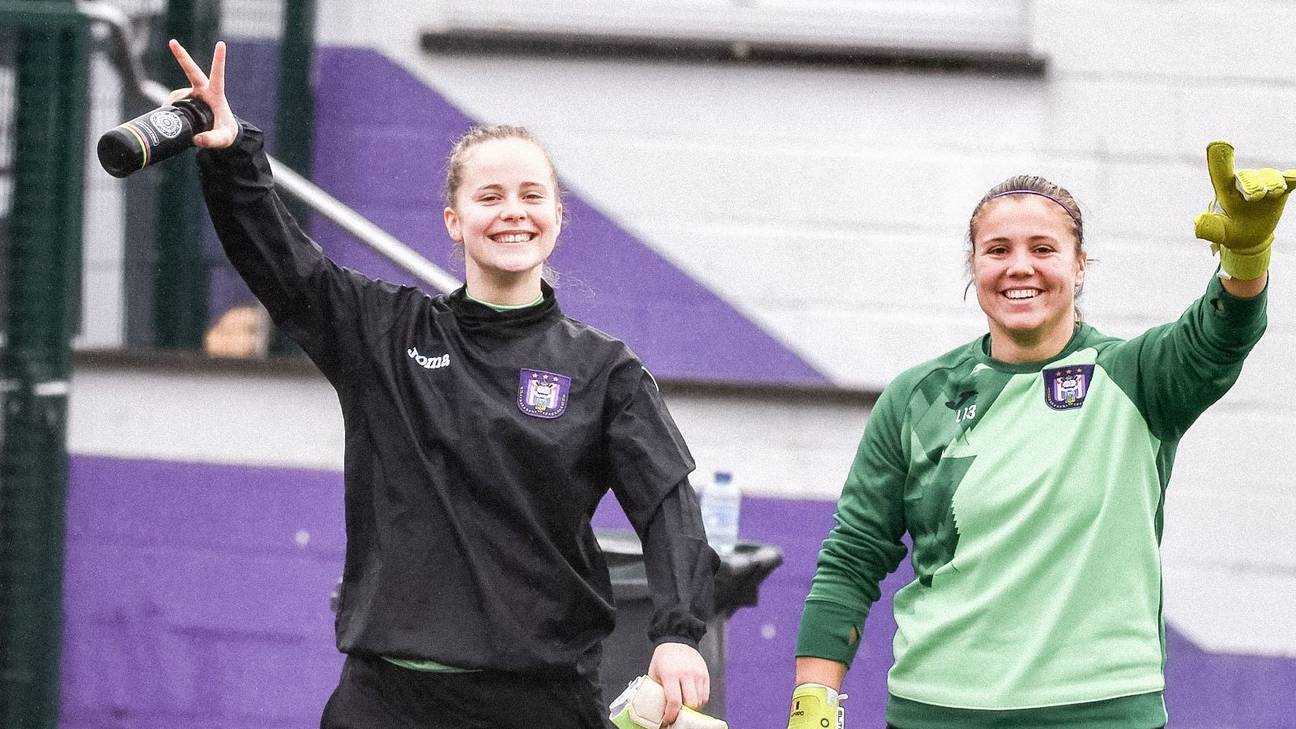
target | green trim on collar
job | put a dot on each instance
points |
(504, 307)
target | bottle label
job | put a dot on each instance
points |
(167, 123)
(146, 134)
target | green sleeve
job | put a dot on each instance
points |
(1174, 372)
(864, 545)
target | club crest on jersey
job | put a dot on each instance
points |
(1065, 387)
(542, 394)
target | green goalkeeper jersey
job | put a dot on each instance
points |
(1032, 495)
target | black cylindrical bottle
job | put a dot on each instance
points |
(153, 137)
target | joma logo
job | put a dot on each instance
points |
(430, 363)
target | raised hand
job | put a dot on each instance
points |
(211, 91)
(1248, 205)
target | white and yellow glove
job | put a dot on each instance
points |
(1241, 220)
(816, 706)
(643, 704)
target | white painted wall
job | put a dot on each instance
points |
(792, 446)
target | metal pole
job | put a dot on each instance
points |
(295, 119)
(43, 275)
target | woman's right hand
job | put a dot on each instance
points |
(816, 702)
(210, 91)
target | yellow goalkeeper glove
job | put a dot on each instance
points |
(1247, 206)
(816, 706)
(643, 704)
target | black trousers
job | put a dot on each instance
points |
(375, 694)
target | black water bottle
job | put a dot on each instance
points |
(150, 138)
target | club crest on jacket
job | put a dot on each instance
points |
(542, 394)
(1065, 387)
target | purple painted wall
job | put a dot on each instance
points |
(197, 596)
(189, 601)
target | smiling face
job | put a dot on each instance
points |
(507, 215)
(1027, 266)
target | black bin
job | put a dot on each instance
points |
(627, 652)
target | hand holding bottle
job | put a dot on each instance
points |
(196, 116)
(210, 90)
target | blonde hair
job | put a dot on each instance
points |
(480, 134)
(477, 135)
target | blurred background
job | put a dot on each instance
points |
(768, 201)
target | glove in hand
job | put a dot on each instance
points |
(815, 706)
(643, 705)
(1247, 207)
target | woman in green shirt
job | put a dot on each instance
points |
(1028, 468)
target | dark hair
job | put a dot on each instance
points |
(479, 134)
(1030, 185)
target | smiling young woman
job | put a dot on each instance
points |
(474, 593)
(504, 209)
(1028, 262)
(1028, 470)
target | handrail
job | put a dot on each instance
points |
(127, 58)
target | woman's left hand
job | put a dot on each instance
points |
(683, 675)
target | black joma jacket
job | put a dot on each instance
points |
(478, 444)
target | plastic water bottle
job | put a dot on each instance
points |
(721, 502)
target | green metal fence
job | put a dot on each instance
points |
(41, 257)
(58, 89)
(148, 250)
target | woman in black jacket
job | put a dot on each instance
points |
(482, 429)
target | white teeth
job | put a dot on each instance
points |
(1020, 294)
(512, 238)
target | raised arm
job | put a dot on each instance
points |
(336, 315)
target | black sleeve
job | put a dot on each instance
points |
(326, 309)
(650, 467)
(681, 567)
